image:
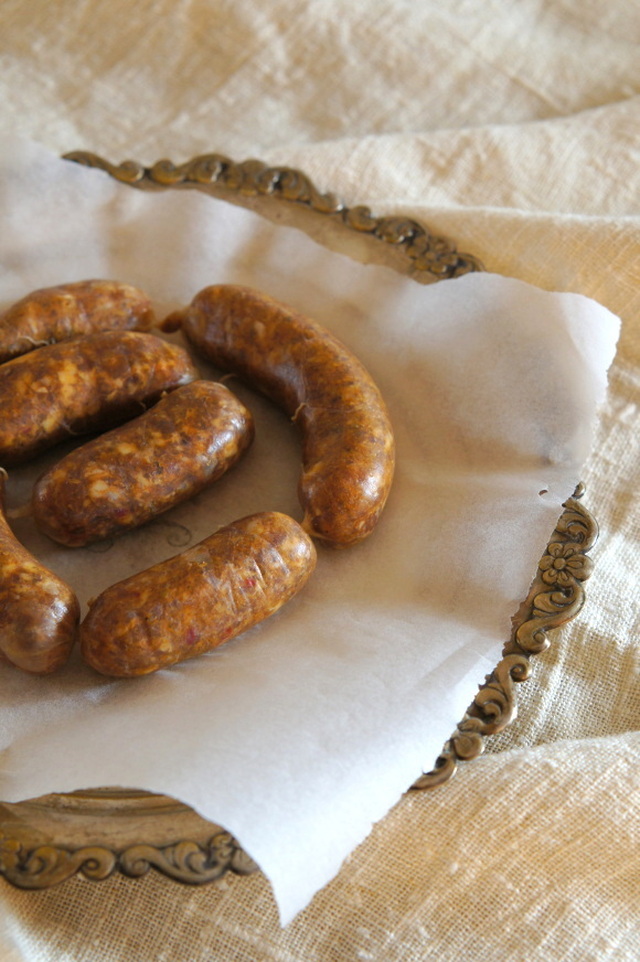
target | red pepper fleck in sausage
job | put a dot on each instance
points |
(127, 476)
(82, 385)
(53, 314)
(199, 599)
(348, 443)
(39, 613)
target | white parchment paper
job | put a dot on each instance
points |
(303, 732)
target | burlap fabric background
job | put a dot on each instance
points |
(515, 129)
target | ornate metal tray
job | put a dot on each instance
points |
(46, 840)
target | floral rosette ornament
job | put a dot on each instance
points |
(563, 564)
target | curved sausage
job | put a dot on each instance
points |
(199, 599)
(56, 313)
(82, 385)
(348, 443)
(123, 478)
(39, 613)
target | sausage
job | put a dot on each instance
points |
(39, 613)
(199, 599)
(53, 314)
(348, 449)
(123, 478)
(82, 385)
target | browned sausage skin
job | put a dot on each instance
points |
(348, 443)
(39, 613)
(124, 478)
(53, 314)
(82, 385)
(198, 599)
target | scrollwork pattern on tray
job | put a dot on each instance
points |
(556, 595)
(43, 866)
(428, 258)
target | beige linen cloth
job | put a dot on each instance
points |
(515, 130)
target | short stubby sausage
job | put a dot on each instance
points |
(53, 314)
(81, 385)
(133, 473)
(39, 613)
(348, 443)
(199, 599)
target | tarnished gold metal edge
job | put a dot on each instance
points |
(428, 257)
(27, 860)
(189, 862)
(556, 596)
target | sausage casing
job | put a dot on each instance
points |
(131, 474)
(348, 443)
(199, 599)
(39, 613)
(53, 314)
(82, 385)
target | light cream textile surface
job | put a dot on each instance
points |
(514, 129)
